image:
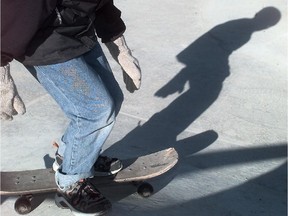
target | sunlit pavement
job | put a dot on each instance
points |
(214, 88)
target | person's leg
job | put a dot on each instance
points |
(82, 95)
(97, 60)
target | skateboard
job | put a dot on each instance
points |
(135, 170)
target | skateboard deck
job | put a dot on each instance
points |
(139, 169)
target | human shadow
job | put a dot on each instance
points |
(207, 66)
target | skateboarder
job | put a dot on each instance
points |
(56, 41)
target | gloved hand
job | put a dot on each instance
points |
(129, 64)
(11, 103)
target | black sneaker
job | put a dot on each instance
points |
(104, 165)
(83, 198)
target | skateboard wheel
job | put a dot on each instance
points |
(23, 205)
(145, 190)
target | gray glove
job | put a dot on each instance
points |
(129, 64)
(11, 103)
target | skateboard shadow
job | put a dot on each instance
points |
(206, 68)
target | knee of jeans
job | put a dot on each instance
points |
(103, 114)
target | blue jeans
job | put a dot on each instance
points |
(89, 95)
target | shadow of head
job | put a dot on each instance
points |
(266, 18)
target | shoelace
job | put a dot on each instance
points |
(91, 192)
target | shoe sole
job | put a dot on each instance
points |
(102, 174)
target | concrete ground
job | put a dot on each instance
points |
(214, 88)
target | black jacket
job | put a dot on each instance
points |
(49, 31)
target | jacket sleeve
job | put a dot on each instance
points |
(108, 23)
(20, 20)
(107, 18)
